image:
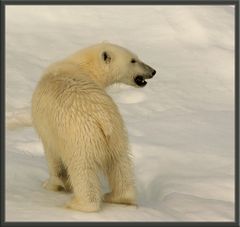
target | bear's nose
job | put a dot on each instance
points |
(153, 72)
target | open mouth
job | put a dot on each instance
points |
(140, 81)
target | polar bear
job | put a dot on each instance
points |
(81, 128)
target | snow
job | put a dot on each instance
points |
(181, 125)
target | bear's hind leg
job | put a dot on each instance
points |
(86, 185)
(121, 181)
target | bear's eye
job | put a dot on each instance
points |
(133, 61)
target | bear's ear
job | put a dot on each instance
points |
(106, 57)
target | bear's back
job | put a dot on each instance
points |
(64, 99)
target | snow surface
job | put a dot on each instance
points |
(181, 125)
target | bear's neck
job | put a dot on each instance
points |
(97, 77)
(92, 71)
(101, 79)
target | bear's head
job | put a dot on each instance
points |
(108, 63)
(122, 66)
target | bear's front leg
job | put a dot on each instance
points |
(86, 186)
(121, 180)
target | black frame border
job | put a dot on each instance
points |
(5, 3)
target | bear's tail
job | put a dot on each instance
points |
(19, 118)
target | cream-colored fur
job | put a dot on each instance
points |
(81, 128)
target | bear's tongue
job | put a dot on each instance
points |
(139, 80)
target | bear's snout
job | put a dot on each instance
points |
(153, 72)
(150, 74)
(149, 71)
